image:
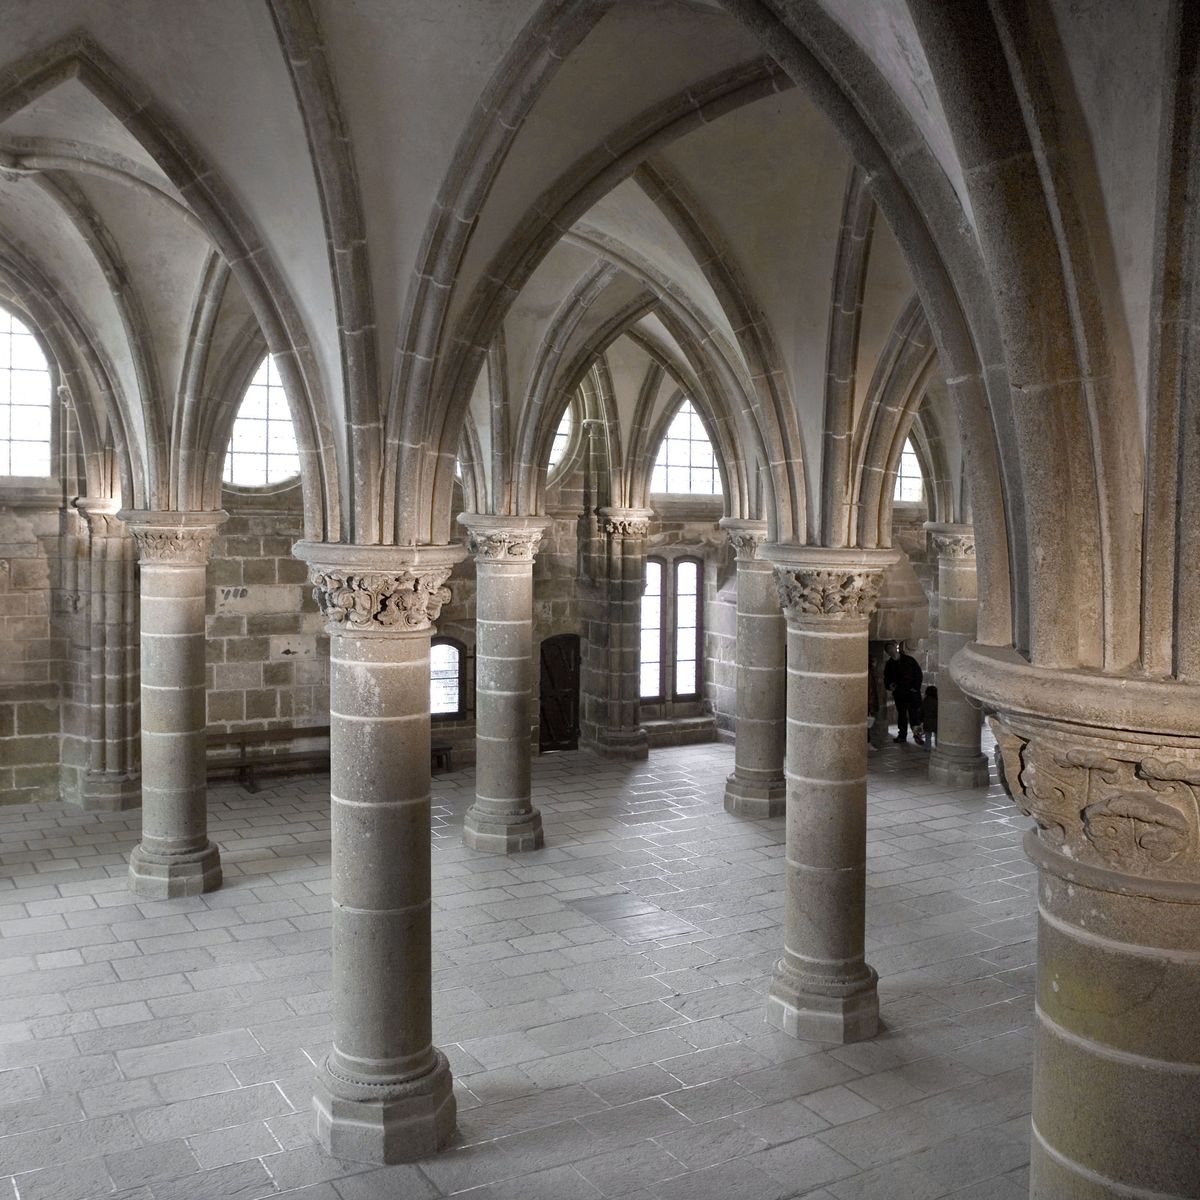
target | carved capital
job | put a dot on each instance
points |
(173, 539)
(402, 600)
(626, 522)
(952, 541)
(1115, 803)
(745, 536)
(101, 517)
(843, 595)
(503, 539)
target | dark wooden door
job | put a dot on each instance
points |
(559, 713)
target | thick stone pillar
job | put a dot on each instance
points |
(823, 988)
(756, 787)
(1108, 767)
(384, 1093)
(612, 694)
(957, 758)
(112, 781)
(175, 857)
(502, 819)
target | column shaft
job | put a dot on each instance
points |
(175, 857)
(956, 758)
(502, 819)
(384, 1094)
(823, 988)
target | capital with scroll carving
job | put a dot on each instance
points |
(952, 541)
(496, 539)
(379, 589)
(626, 522)
(817, 583)
(173, 539)
(745, 536)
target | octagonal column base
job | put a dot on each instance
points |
(958, 772)
(103, 791)
(631, 746)
(385, 1122)
(167, 876)
(754, 798)
(498, 833)
(820, 1009)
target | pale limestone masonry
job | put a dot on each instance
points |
(384, 1093)
(823, 988)
(175, 856)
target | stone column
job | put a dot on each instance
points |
(612, 683)
(1116, 1086)
(756, 787)
(957, 758)
(175, 857)
(384, 1093)
(112, 782)
(823, 988)
(503, 820)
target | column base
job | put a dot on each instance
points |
(499, 833)
(750, 798)
(622, 745)
(167, 877)
(382, 1122)
(817, 1009)
(104, 792)
(958, 772)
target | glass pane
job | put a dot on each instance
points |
(653, 579)
(30, 424)
(649, 686)
(685, 612)
(26, 413)
(686, 577)
(685, 679)
(443, 678)
(262, 444)
(650, 646)
(686, 461)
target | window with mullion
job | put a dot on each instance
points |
(447, 679)
(688, 630)
(653, 660)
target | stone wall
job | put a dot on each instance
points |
(268, 654)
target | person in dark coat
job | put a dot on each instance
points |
(902, 677)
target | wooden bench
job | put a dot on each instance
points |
(257, 753)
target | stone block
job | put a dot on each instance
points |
(37, 717)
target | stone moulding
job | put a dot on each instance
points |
(1120, 803)
(382, 589)
(626, 522)
(824, 583)
(503, 539)
(181, 539)
(746, 537)
(954, 545)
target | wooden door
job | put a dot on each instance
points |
(558, 722)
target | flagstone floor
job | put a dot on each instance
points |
(600, 1001)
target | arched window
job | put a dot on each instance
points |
(262, 449)
(562, 438)
(910, 484)
(652, 631)
(688, 640)
(686, 461)
(447, 678)
(26, 419)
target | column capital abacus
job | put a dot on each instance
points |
(626, 522)
(172, 539)
(499, 539)
(746, 536)
(379, 589)
(815, 582)
(952, 541)
(101, 515)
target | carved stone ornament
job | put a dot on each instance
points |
(1115, 806)
(180, 547)
(806, 592)
(637, 527)
(746, 542)
(954, 545)
(504, 545)
(402, 600)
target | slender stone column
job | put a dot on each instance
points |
(957, 758)
(112, 782)
(756, 787)
(612, 681)
(1116, 1086)
(175, 857)
(823, 988)
(503, 820)
(384, 1093)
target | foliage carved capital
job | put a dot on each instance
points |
(822, 592)
(408, 600)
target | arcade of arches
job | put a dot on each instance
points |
(533, 388)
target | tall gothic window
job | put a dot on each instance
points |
(447, 678)
(687, 629)
(910, 484)
(25, 400)
(262, 449)
(686, 460)
(672, 630)
(562, 438)
(652, 632)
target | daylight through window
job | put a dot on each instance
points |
(262, 448)
(562, 439)
(652, 617)
(445, 678)
(25, 412)
(910, 485)
(686, 462)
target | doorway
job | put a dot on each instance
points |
(558, 722)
